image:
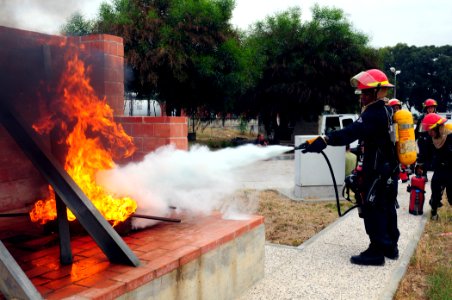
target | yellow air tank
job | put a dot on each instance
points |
(448, 126)
(405, 140)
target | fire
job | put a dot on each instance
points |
(93, 140)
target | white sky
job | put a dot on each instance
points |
(386, 22)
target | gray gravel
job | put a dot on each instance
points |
(320, 268)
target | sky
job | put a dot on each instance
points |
(385, 22)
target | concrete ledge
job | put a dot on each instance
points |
(314, 193)
(223, 273)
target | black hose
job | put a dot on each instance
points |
(335, 188)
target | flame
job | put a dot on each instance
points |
(93, 140)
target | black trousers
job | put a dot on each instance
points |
(441, 179)
(380, 218)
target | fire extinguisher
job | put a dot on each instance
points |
(403, 174)
(416, 188)
(405, 139)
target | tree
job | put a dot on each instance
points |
(77, 25)
(182, 51)
(425, 73)
(306, 65)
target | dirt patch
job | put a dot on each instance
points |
(429, 275)
(288, 222)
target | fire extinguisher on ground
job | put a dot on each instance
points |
(416, 188)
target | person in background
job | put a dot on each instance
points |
(395, 104)
(424, 142)
(380, 166)
(440, 134)
(350, 160)
(260, 140)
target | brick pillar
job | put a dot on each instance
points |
(150, 133)
(105, 53)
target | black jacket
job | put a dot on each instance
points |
(440, 158)
(372, 130)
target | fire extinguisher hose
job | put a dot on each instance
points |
(335, 188)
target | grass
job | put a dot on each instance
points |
(287, 222)
(429, 275)
(217, 138)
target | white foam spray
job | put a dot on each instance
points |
(197, 181)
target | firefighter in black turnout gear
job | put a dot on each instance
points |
(379, 163)
(440, 135)
(424, 142)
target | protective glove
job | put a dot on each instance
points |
(315, 145)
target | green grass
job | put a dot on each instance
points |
(440, 287)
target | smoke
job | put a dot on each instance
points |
(43, 16)
(197, 181)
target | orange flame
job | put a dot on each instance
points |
(93, 139)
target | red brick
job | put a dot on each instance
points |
(136, 277)
(207, 245)
(163, 265)
(37, 271)
(57, 274)
(129, 119)
(113, 48)
(100, 280)
(111, 291)
(162, 130)
(143, 130)
(152, 245)
(151, 255)
(241, 230)
(185, 254)
(66, 292)
(121, 50)
(255, 221)
(59, 283)
(43, 290)
(113, 38)
(91, 37)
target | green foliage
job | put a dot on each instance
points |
(215, 144)
(184, 51)
(440, 283)
(306, 65)
(425, 73)
(243, 125)
(77, 25)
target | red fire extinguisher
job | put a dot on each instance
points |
(417, 194)
(403, 175)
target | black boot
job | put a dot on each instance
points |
(391, 253)
(370, 257)
(434, 215)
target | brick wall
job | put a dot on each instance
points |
(29, 58)
(150, 133)
(106, 53)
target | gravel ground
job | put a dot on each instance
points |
(320, 268)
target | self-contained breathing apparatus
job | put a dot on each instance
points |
(401, 131)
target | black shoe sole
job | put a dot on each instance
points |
(367, 263)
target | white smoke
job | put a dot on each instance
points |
(197, 181)
(45, 16)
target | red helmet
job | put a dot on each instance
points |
(429, 102)
(394, 102)
(370, 79)
(432, 121)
